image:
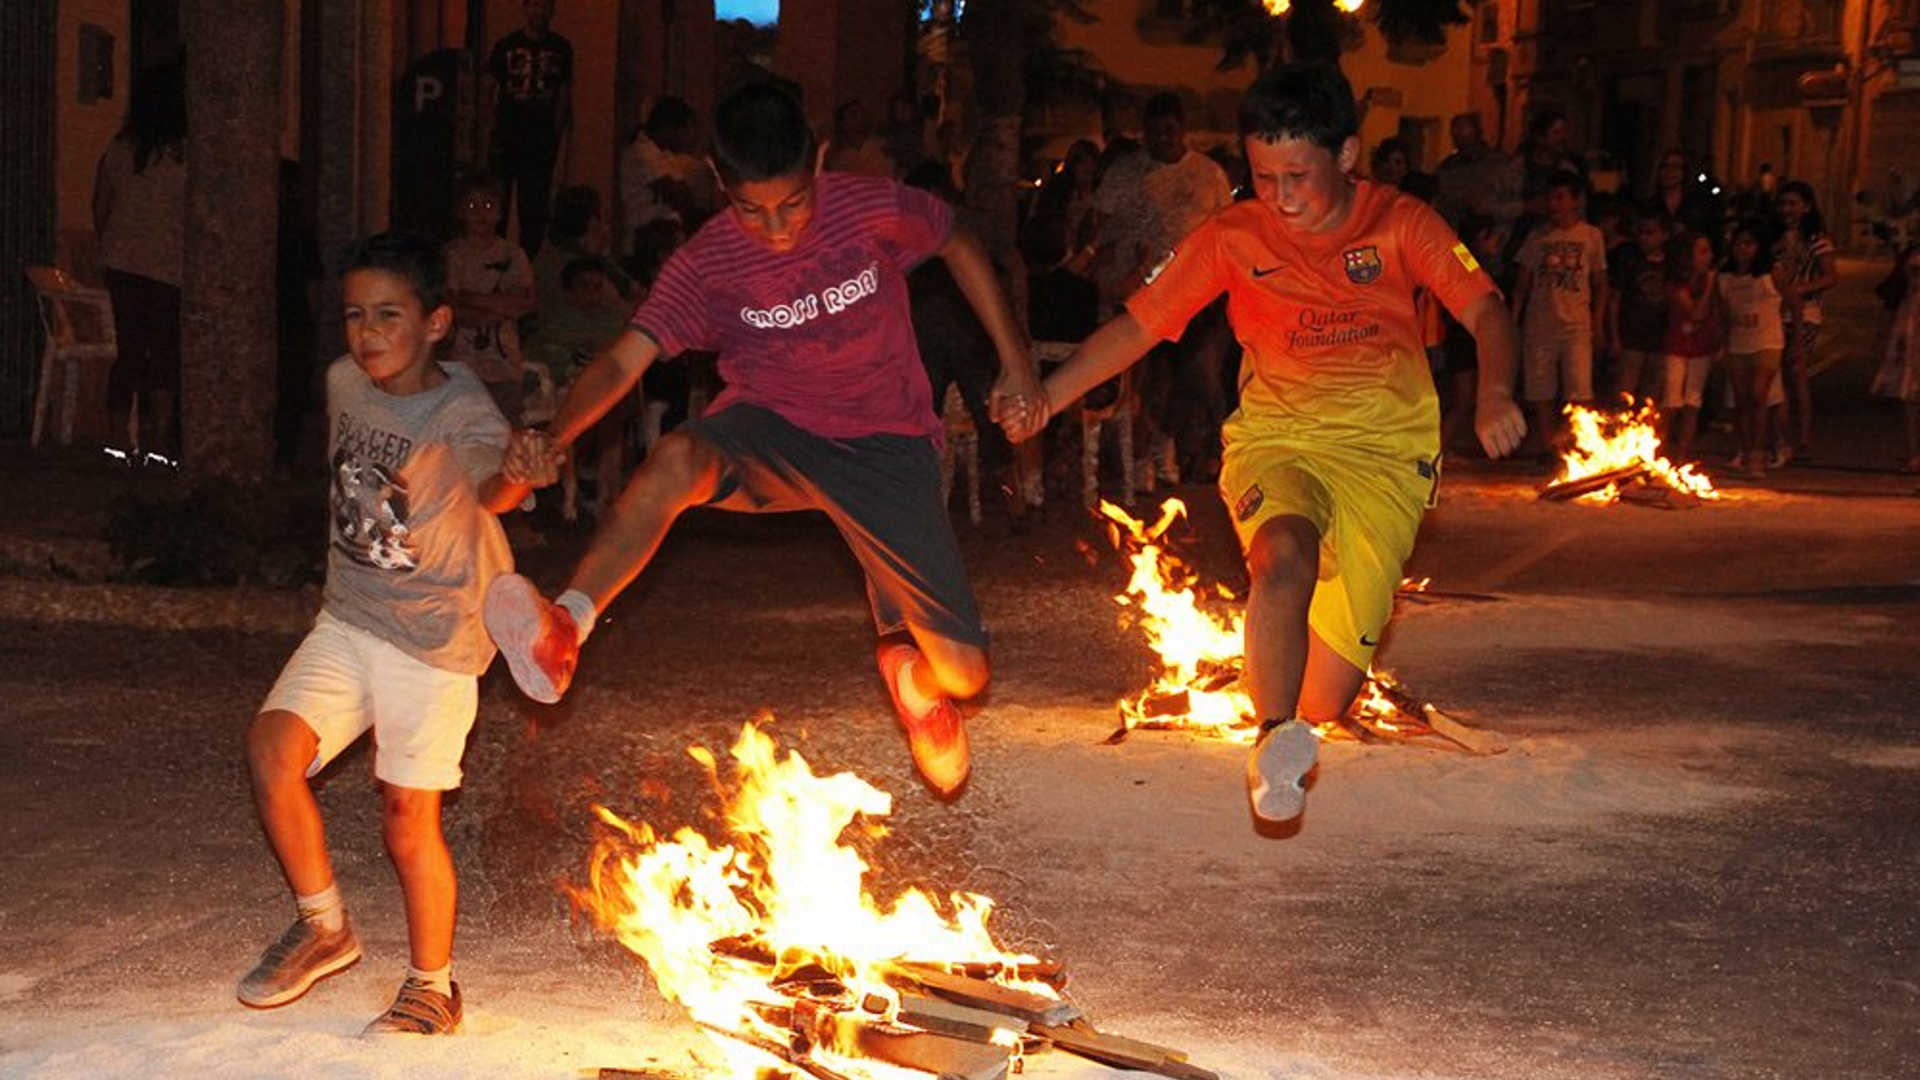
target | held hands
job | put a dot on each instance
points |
(1017, 404)
(532, 458)
(1499, 423)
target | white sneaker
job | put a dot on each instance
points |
(1277, 770)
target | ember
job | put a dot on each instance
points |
(772, 943)
(1613, 451)
(1198, 636)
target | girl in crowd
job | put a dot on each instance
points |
(1750, 288)
(1805, 254)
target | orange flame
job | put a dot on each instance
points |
(1605, 441)
(1200, 643)
(785, 886)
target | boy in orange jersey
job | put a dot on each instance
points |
(1333, 455)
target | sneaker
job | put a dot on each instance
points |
(1277, 770)
(419, 1009)
(1781, 455)
(937, 737)
(304, 955)
(537, 637)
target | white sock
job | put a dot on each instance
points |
(910, 695)
(440, 979)
(323, 909)
(580, 606)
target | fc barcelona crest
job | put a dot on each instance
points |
(1363, 264)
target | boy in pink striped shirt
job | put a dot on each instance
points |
(800, 287)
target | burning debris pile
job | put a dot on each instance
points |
(1198, 639)
(771, 942)
(1616, 456)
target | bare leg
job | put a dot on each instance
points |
(410, 825)
(280, 746)
(1283, 561)
(1329, 685)
(681, 471)
(1686, 424)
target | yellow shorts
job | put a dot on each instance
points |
(1367, 511)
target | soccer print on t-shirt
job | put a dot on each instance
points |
(369, 497)
(1563, 265)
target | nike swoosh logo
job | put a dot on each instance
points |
(1368, 644)
(1259, 273)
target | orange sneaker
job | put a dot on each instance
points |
(537, 637)
(937, 737)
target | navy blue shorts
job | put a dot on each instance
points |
(881, 491)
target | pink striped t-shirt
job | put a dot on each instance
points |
(821, 334)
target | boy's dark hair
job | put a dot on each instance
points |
(667, 114)
(573, 211)
(1570, 180)
(580, 267)
(1762, 238)
(761, 133)
(1301, 101)
(411, 255)
(1165, 103)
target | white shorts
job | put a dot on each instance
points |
(343, 680)
(1557, 365)
(1686, 385)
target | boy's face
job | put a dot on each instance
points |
(479, 212)
(1302, 182)
(1651, 236)
(1563, 206)
(774, 212)
(389, 334)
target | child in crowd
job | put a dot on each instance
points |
(1559, 300)
(1637, 305)
(1806, 252)
(586, 316)
(490, 285)
(1695, 335)
(420, 466)
(1333, 454)
(1899, 374)
(800, 286)
(1750, 289)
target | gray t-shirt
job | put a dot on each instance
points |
(1564, 263)
(411, 550)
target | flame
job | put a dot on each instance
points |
(784, 896)
(1277, 8)
(1605, 441)
(1199, 642)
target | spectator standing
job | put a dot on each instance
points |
(139, 209)
(854, 148)
(1561, 293)
(530, 92)
(666, 190)
(1899, 374)
(490, 286)
(1805, 251)
(577, 230)
(1637, 304)
(1477, 179)
(1696, 333)
(1750, 288)
(1680, 198)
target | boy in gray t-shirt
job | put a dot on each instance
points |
(1558, 300)
(420, 466)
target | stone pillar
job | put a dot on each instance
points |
(228, 327)
(333, 150)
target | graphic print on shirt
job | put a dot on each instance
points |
(533, 74)
(1563, 265)
(369, 497)
(801, 310)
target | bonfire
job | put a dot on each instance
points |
(1197, 635)
(1612, 453)
(772, 942)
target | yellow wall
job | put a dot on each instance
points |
(83, 131)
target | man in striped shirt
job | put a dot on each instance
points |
(800, 287)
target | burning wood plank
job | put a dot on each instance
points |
(990, 996)
(1123, 1053)
(1611, 450)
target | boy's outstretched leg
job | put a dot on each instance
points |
(1283, 563)
(540, 639)
(321, 941)
(429, 1000)
(925, 675)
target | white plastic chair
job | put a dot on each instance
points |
(72, 343)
